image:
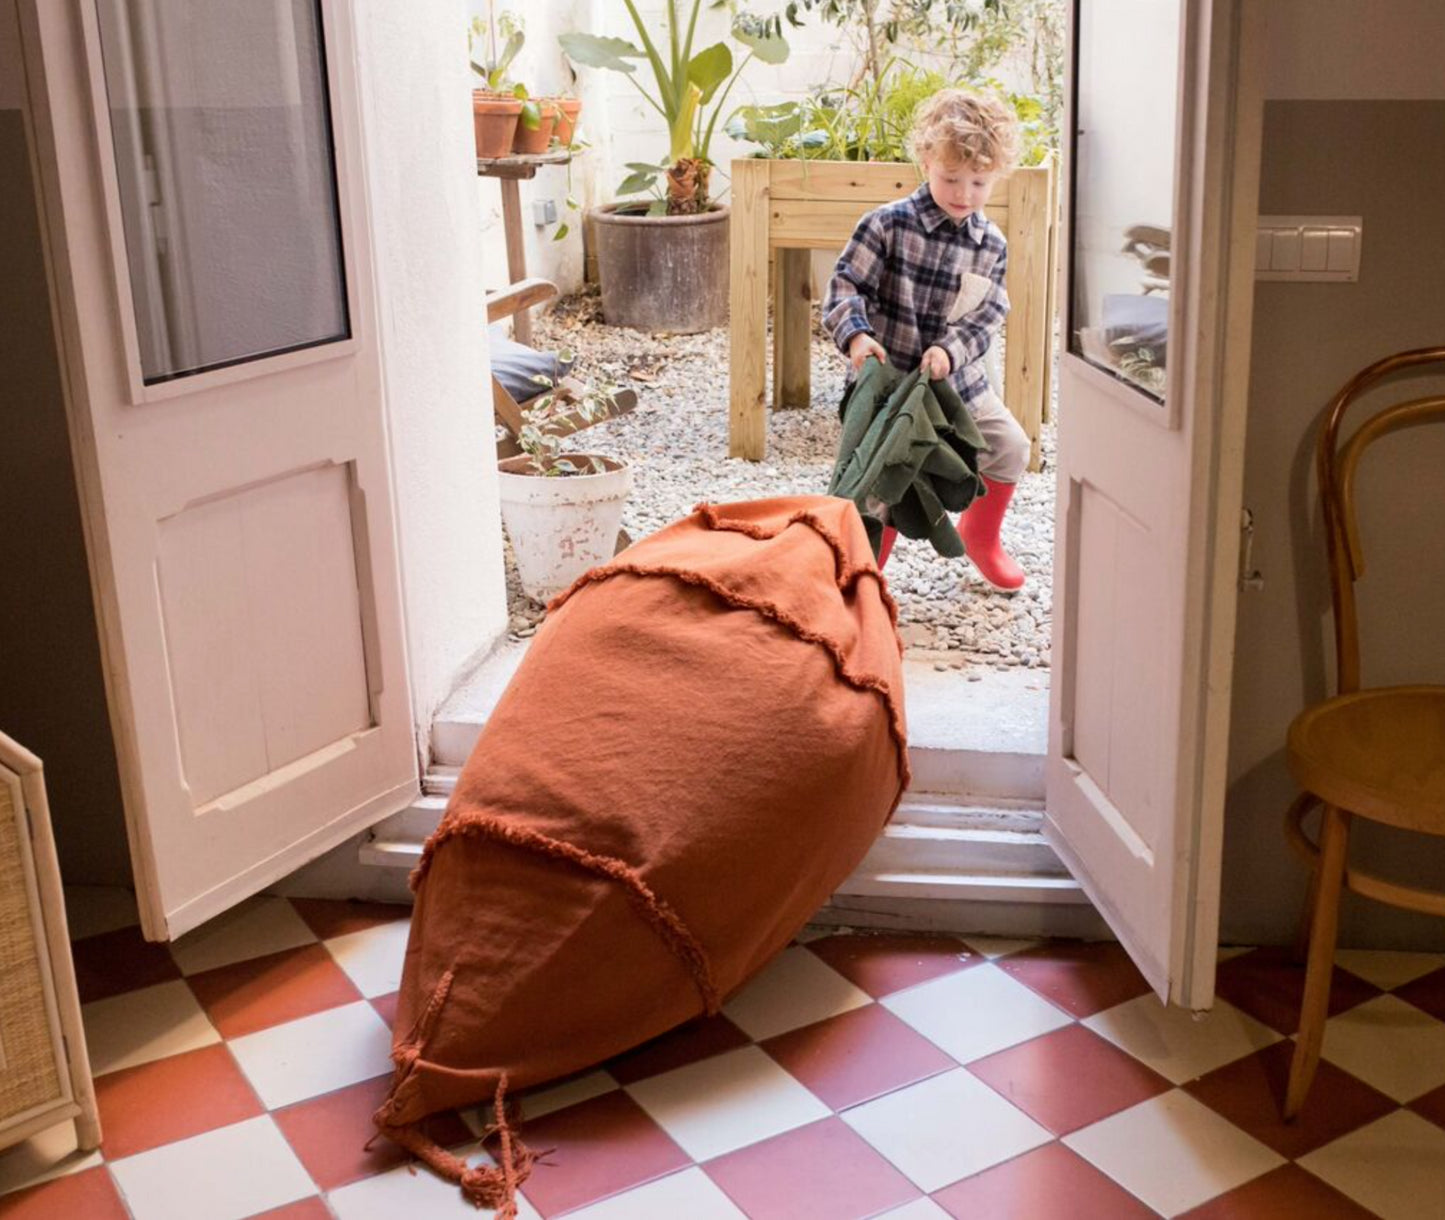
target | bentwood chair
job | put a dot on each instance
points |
(1376, 753)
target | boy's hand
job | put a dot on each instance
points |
(863, 345)
(936, 364)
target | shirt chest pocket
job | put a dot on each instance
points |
(973, 290)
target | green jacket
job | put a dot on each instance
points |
(912, 446)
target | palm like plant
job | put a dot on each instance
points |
(689, 91)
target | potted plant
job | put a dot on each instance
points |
(562, 509)
(663, 261)
(505, 118)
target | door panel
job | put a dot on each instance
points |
(210, 259)
(1161, 184)
(262, 628)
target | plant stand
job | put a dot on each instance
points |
(784, 209)
(509, 171)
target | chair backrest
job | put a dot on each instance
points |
(1337, 467)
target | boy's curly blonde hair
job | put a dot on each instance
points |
(979, 130)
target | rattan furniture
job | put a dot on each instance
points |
(44, 1071)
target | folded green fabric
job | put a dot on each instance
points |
(909, 445)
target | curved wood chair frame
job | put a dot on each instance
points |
(1330, 871)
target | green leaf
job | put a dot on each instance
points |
(634, 183)
(764, 39)
(642, 167)
(531, 115)
(681, 126)
(709, 68)
(509, 52)
(594, 51)
(561, 232)
(658, 207)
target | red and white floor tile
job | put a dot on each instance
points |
(858, 1076)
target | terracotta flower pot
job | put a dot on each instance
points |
(569, 108)
(530, 141)
(494, 122)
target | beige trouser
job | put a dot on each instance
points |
(1007, 455)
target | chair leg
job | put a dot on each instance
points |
(1324, 930)
(1307, 915)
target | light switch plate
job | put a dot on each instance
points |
(1324, 249)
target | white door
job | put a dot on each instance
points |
(208, 244)
(1161, 195)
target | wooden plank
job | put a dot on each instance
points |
(792, 329)
(868, 182)
(519, 296)
(1028, 323)
(516, 253)
(748, 296)
(827, 224)
(1053, 274)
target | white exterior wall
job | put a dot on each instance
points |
(430, 297)
(619, 125)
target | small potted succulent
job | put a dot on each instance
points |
(562, 508)
(505, 118)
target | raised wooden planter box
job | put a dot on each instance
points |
(784, 209)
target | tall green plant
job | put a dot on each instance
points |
(688, 90)
(881, 27)
(872, 121)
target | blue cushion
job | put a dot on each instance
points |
(515, 365)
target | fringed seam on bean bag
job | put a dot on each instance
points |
(665, 921)
(846, 575)
(866, 682)
(493, 1186)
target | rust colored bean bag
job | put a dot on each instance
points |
(702, 742)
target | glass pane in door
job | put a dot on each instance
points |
(1126, 81)
(223, 146)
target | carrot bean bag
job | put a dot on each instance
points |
(702, 742)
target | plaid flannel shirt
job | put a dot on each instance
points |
(899, 279)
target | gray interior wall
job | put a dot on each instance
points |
(1384, 161)
(52, 697)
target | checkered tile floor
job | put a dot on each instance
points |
(858, 1076)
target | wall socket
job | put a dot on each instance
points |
(1320, 248)
(544, 211)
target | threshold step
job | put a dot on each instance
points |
(973, 887)
(982, 738)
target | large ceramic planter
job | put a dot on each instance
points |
(495, 118)
(663, 273)
(563, 525)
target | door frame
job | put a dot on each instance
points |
(1221, 94)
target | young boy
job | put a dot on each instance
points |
(921, 283)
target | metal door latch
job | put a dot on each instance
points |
(1249, 576)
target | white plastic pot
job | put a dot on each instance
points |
(561, 525)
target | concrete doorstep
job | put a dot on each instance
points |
(965, 851)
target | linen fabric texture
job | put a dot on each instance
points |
(703, 740)
(909, 451)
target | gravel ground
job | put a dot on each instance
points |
(676, 440)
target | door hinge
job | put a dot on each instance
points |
(1249, 576)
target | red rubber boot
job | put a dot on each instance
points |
(978, 526)
(885, 548)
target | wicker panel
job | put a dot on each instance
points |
(28, 1077)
